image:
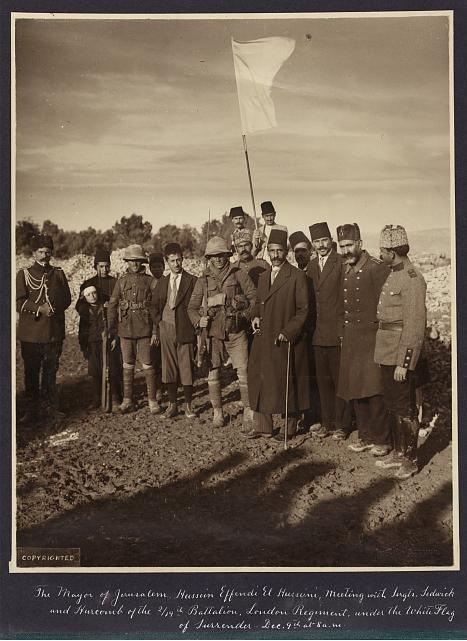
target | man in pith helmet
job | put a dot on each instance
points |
(131, 317)
(221, 305)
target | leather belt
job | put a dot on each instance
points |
(395, 327)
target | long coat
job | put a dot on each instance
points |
(359, 375)
(328, 294)
(184, 329)
(282, 308)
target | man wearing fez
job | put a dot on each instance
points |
(301, 247)
(261, 235)
(279, 317)
(42, 296)
(399, 341)
(157, 268)
(221, 304)
(325, 270)
(243, 248)
(360, 377)
(175, 332)
(104, 284)
(237, 217)
(131, 317)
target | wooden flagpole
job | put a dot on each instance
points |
(245, 149)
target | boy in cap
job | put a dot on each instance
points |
(399, 342)
(279, 316)
(360, 377)
(261, 235)
(42, 296)
(174, 330)
(131, 317)
(104, 284)
(221, 303)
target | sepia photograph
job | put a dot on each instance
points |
(233, 292)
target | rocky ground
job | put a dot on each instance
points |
(134, 490)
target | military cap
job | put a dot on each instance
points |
(278, 237)
(319, 230)
(42, 240)
(236, 211)
(393, 236)
(349, 231)
(267, 208)
(134, 252)
(101, 256)
(217, 246)
(242, 236)
(155, 258)
(299, 240)
(172, 248)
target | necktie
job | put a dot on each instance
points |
(173, 293)
(274, 272)
(321, 263)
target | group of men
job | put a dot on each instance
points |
(332, 342)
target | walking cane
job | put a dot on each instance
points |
(287, 396)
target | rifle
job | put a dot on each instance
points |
(106, 389)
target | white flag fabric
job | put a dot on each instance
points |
(256, 64)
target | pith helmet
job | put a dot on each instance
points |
(216, 246)
(134, 252)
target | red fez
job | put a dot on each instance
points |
(349, 231)
(236, 211)
(267, 208)
(299, 237)
(319, 230)
(278, 237)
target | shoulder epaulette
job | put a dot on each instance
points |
(376, 260)
(412, 273)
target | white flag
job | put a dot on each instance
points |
(256, 63)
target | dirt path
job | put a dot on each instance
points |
(134, 490)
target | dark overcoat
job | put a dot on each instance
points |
(328, 290)
(282, 308)
(184, 330)
(359, 375)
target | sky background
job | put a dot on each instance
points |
(123, 116)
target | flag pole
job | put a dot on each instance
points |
(245, 149)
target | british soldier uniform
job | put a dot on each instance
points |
(399, 343)
(131, 317)
(42, 296)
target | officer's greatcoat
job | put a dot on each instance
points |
(282, 308)
(35, 286)
(402, 317)
(359, 375)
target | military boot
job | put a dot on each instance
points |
(128, 380)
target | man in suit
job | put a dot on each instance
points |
(360, 378)
(157, 268)
(42, 296)
(175, 332)
(302, 249)
(279, 317)
(326, 270)
(261, 235)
